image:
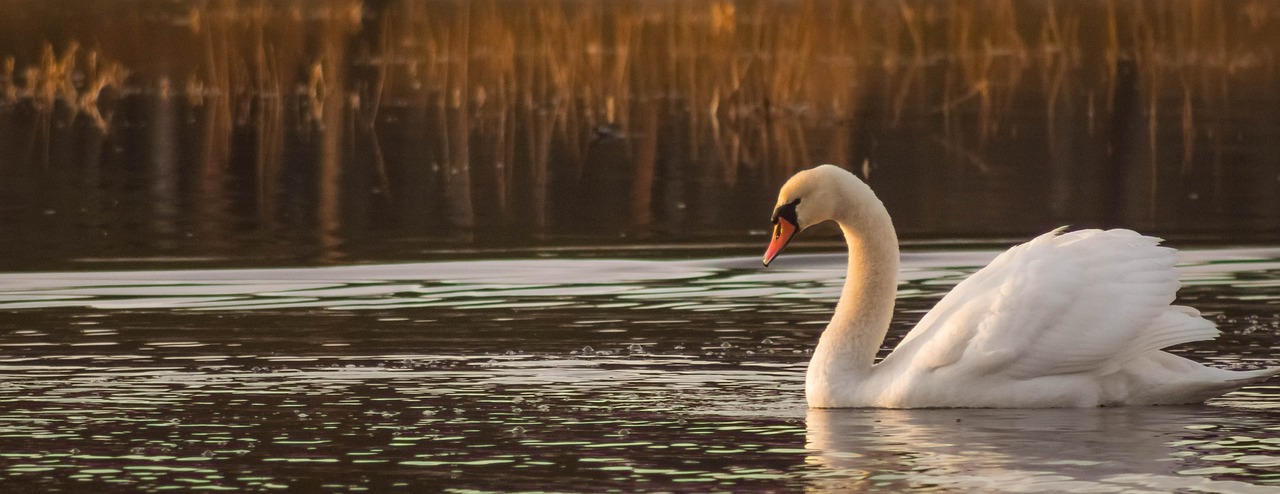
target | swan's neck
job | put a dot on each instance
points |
(847, 349)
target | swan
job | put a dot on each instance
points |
(1075, 319)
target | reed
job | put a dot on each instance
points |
(512, 101)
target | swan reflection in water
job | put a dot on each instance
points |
(1155, 449)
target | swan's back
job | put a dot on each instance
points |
(1076, 319)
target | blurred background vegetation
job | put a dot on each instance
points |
(321, 131)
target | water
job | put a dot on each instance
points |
(160, 161)
(335, 131)
(563, 374)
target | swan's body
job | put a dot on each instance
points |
(1065, 320)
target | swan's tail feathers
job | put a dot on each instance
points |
(1180, 324)
(1245, 378)
(1167, 379)
(1230, 380)
(1174, 326)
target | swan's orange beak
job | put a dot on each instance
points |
(783, 230)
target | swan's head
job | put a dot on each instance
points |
(809, 197)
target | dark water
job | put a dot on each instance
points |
(325, 132)
(563, 374)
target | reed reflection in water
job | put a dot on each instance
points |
(316, 130)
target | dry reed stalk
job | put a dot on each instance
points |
(1147, 31)
(1111, 57)
(458, 116)
(269, 124)
(1018, 58)
(646, 154)
(331, 67)
(1060, 36)
(8, 86)
(915, 24)
(100, 76)
(492, 74)
(845, 84)
(371, 110)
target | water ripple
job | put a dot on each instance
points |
(684, 375)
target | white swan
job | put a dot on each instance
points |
(1065, 320)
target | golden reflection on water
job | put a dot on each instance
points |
(553, 113)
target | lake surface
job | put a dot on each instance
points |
(565, 373)
(490, 245)
(327, 132)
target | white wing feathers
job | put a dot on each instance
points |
(1085, 301)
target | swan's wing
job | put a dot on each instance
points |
(1083, 301)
